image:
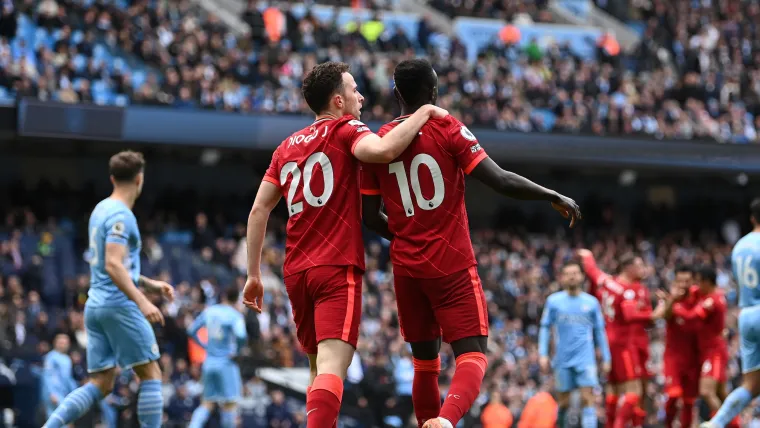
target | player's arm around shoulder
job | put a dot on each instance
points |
(372, 148)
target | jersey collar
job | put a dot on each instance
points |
(401, 118)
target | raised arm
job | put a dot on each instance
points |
(375, 149)
(266, 199)
(518, 187)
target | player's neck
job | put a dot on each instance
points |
(408, 111)
(574, 291)
(328, 115)
(756, 229)
(128, 197)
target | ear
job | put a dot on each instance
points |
(338, 100)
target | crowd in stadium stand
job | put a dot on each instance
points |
(180, 56)
(44, 281)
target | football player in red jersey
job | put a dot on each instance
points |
(317, 171)
(438, 290)
(623, 309)
(706, 306)
(681, 359)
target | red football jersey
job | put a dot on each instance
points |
(680, 334)
(318, 176)
(712, 316)
(423, 193)
(619, 303)
(639, 329)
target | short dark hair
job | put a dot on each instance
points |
(707, 273)
(124, 166)
(232, 294)
(415, 81)
(321, 83)
(683, 269)
(626, 260)
(569, 263)
(754, 209)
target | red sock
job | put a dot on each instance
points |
(671, 410)
(735, 423)
(687, 412)
(323, 401)
(610, 411)
(465, 386)
(426, 396)
(639, 416)
(626, 411)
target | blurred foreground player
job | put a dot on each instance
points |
(623, 309)
(681, 360)
(222, 384)
(745, 261)
(438, 291)
(117, 314)
(578, 324)
(317, 170)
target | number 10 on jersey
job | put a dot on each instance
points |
(397, 168)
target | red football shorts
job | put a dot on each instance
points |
(714, 363)
(625, 364)
(681, 376)
(453, 306)
(327, 304)
(644, 361)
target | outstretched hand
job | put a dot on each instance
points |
(568, 209)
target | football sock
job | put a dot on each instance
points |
(323, 401)
(150, 404)
(671, 410)
(626, 411)
(426, 396)
(737, 401)
(561, 417)
(465, 386)
(74, 406)
(228, 418)
(687, 412)
(588, 418)
(610, 411)
(200, 417)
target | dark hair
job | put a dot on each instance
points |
(754, 209)
(124, 166)
(232, 294)
(415, 81)
(683, 269)
(321, 83)
(626, 260)
(707, 273)
(569, 263)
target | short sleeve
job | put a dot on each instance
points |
(368, 183)
(117, 228)
(352, 131)
(465, 147)
(273, 172)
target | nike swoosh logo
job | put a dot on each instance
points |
(307, 413)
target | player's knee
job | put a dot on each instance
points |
(334, 356)
(751, 382)
(587, 397)
(229, 407)
(426, 350)
(470, 344)
(707, 390)
(148, 371)
(104, 380)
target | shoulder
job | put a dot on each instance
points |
(554, 298)
(590, 299)
(387, 127)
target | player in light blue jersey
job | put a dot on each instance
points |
(57, 378)
(117, 314)
(745, 263)
(576, 318)
(221, 375)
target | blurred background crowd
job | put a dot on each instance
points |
(44, 281)
(693, 75)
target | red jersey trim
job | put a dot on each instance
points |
(369, 191)
(353, 146)
(475, 162)
(271, 180)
